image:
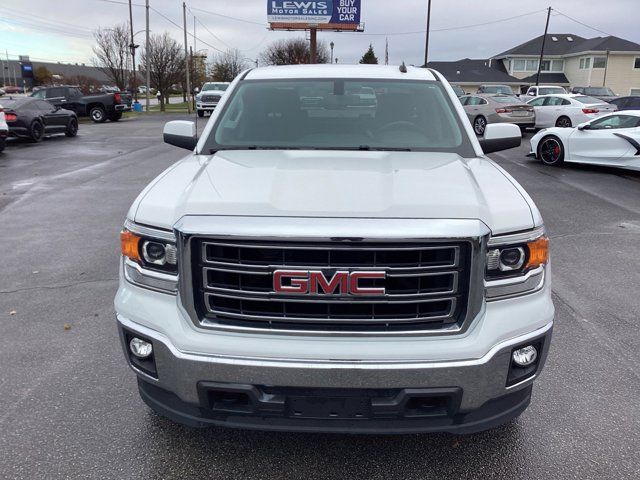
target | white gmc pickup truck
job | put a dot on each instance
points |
(322, 261)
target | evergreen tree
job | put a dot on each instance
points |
(369, 57)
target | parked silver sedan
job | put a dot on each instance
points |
(483, 109)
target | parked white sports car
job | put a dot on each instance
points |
(611, 140)
(568, 110)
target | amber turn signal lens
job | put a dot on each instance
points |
(538, 252)
(129, 245)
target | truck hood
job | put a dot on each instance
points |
(359, 184)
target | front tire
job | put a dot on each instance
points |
(36, 131)
(201, 113)
(551, 151)
(98, 114)
(72, 128)
(3, 143)
(479, 125)
(563, 122)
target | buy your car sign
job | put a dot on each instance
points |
(314, 12)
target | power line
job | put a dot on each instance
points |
(582, 23)
(31, 16)
(449, 29)
(230, 17)
(209, 31)
(181, 27)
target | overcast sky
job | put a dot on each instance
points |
(60, 30)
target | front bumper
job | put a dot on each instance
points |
(476, 391)
(207, 107)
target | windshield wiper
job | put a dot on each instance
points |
(251, 147)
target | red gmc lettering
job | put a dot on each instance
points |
(316, 283)
(355, 289)
(299, 281)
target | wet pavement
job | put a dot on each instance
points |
(69, 407)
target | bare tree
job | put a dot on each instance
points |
(293, 51)
(112, 53)
(165, 61)
(86, 84)
(227, 66)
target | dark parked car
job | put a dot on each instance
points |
(627, 103)
(101, 107)
(32, 118)
(601, 93)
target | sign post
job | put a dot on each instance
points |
(334, 15)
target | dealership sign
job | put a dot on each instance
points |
(322, 12)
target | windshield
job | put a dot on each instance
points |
(342, 115)
(214, 86)
(599, 91)
(551, 90)
(506, 99)
(586, 100)
(497, 89)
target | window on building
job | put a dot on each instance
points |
(585, 63)
(532, 65)
(546, 65)
(636, 63)
(518, 65)
(599, 62)
(634, 91)
(557, 65)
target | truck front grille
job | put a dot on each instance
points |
(210, 98)
(426, 285)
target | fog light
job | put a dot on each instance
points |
(525, 356)
(141, 348)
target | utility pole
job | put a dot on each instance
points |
(426, 45)
(314, 44)
(148, 75)
(544, 39)
(332, 45)
(133, 47)
(606, 66)
(186, 52)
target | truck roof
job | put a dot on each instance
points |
(340, 71)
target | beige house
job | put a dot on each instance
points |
(573, 61)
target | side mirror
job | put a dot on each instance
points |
(584, 126)
(197, 90)
(500, 136)
(180, 133)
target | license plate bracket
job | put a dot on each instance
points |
(329, 408)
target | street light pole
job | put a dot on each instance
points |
(332, 45)
(148, 76)
(426, 45)
(133, 47)
(186, 52)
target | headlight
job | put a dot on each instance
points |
(516, 264)
(150, 257)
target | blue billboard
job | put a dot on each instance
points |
(346, 12)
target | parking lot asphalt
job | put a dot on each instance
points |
(69, 407)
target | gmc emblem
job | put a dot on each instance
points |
(314, 282)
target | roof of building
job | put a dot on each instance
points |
(66, 70)
(548, 78)
(474, 71)
(569, 43)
